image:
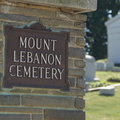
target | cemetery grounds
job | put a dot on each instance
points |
(99, 107)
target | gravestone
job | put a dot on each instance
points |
(43, 82)
(104, 66)
(109, 90)
(90, 68)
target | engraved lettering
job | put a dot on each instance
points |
(34, 72)
(12, 67)
(31, 43)
(22, 56)
(23, 43)
(60, 72)
(54, 73)
(53, 44)
(19, 71)
(27, 72)
(15, 57)
(47, 73)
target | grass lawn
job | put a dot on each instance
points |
(104, 75)
(100, 107)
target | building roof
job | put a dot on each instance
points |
(112, 20)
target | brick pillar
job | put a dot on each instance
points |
(23, 103)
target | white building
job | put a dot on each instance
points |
(113, 31)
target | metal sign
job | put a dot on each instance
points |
(35, 57)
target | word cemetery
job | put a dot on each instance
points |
(35, 58)
(39, 58)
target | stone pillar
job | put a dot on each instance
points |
(23, 103)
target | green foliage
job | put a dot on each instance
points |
(114, 79)
(98, 84)
(96, 31)
(102, 60)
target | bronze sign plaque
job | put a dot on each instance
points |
(35, 57)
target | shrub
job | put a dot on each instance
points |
(114, 79)
(98, 84)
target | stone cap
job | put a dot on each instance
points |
(89, 58)
(76, 6)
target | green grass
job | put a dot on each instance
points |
(104, 75)
(100, 107)
(103, 107)
(102, 60)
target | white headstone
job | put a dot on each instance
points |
(104, 66)
(107, 90)
(100, 66)
(90, 68)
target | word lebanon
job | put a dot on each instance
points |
(41, 62)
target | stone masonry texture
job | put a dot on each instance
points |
(51, 114)
(47, 101)
(82, 5)
(77, 52)
(37, 117)
(9, 100)
(25, 103)
(14, 116)
(79, 103)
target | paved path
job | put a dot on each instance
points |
(98, 88)
(115, 85)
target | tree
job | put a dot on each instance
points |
(96, 31)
